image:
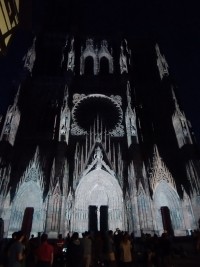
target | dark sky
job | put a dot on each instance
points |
(175, 24)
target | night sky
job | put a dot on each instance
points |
(175, 24)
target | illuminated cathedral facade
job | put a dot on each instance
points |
(96, 140)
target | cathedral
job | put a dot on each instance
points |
(96, 139)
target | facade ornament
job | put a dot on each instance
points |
(116, 101)
(97, 54)
(160, 172)
(65, 117)
(71, 57)
(77, 98)
(161, 63)
(89, 51)
(192, 168)
(76, 130)
(104, 52)
(29, 58)
(99, 156)
(97, 163)
(130, 117)
(117, 98)
(123, 61)
(128, 52)
(33, 172)
(118, 131)
(188, 214)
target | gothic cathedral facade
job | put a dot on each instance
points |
(96, 140)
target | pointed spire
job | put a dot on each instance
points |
(17, 96)
(11, 122)
(161, 63)
(181, 125)
(176, 103)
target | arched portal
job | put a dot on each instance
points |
(29, 195)
(104, 66)
(166, 196)
(89, 65)
(98, 188)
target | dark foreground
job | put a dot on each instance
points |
(147, 252)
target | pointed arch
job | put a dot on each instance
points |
(89, 65)
(104, 65)
(98, 188)
(165, 195)
(29, 195)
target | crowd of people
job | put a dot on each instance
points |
(108, 249)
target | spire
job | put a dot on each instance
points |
(161, 63)
(12, 121)
(178, 111)
(17, 97)
(181, 125)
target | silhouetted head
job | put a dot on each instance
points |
(20, 236)
(14, 235)
(44, 237)
(75, 236)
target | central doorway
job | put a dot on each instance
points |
(166, 220)
(98, 218)
(101, 190)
